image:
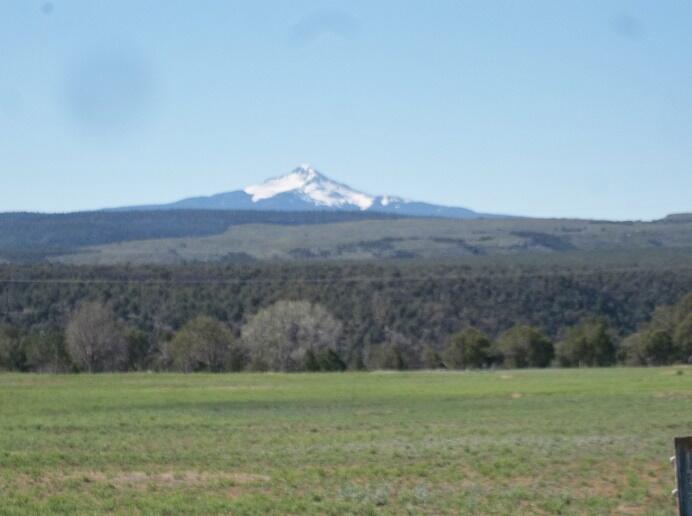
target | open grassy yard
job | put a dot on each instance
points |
(539, 442)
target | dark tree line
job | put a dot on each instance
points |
(332, 317)
(294, 336)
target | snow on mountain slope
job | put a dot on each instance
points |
(305, 189)
(313, 187)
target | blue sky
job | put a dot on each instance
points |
(569, 108)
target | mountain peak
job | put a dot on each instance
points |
(308, 184)
(306, 189)
(307, 172)
(306, 168)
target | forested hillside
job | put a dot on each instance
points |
(224, 291)
(413, 306)
(187, 236)
(35, 236)
(394, 239)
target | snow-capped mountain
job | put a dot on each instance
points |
(312, 187)
(305, 189)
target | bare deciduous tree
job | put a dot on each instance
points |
(96, 339)
(279, 337)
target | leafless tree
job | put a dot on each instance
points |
(96, 339)
(278, 337)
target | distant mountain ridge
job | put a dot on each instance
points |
(34, 236)
(305, 189)
(185, 235)
(678, 217)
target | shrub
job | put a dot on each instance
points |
(138, 350)
(589, 344)
(431, 359)
(45, 352)
(666, 339)
(12, 357)
(525, 346)
(469, 348)
(683, 339)
(205, 344)
(325, 360)
(397, 352)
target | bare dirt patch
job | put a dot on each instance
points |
(143, 480)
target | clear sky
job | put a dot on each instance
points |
(547, 108)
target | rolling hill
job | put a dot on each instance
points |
(35, 236)
(421, 238)
(305, 216)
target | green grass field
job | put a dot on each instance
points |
(539, 442)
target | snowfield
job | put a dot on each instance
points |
(312, 186)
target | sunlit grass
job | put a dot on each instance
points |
(556, 441)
